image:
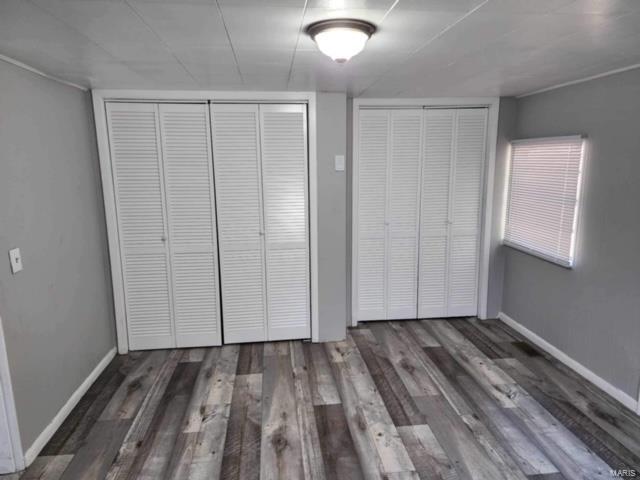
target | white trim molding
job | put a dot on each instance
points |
(198, 96)
(31, 69)
(581, 80)
(44, 437)
(622, 397)
(492, 104)
(8, 409)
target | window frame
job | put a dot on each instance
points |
(565, 263)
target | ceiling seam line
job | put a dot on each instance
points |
(432, 39)
(389, 11)
(233, 50)
(74, 29)
(295, 48)
(164, 44)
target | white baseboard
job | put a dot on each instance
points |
(622, 397)
(40, 442)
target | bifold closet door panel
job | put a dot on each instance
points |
(402, 213)
(370, 231)
(236, 160)
(188, 170)
(466, 202)
(434, 212)
(136, 162)
(283, 134)
(452, 180)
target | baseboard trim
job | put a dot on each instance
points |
(36, 447)
(622, 397)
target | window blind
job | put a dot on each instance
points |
(544, 188)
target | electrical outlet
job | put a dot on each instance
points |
(16, 260)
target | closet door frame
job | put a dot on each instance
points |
(492, 104)
(102, 96)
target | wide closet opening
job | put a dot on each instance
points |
(211, 219)
(419, 175)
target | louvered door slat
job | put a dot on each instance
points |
(284, 180)
(191, 217)
(466, 200)
(370, 234)
(137, 172)
(402, 213)
(434, 212)
(236, 158)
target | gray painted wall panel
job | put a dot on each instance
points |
(592, 313)
(57, 313)
(506, 129)
(332, 216)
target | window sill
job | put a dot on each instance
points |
(542, 256)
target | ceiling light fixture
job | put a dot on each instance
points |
(341, 38)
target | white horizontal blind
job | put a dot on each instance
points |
(543, 197)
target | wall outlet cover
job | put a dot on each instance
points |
(16, 260)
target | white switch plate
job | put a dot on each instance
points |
(16, 260)
(339, 163)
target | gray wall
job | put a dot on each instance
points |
(57, 313)
(592, 312)
(331, 117)
(506, 129)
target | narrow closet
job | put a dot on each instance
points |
(417, 210)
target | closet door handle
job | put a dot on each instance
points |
(261, 234)
(163, 239)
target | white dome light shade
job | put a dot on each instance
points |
(341, 39)
(341, 43)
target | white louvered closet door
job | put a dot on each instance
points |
(402, 213)
(434, 212)
(134, 139)
(465, 214)
(236, 160)
(370, 230)
(186, 148)
(283, 134)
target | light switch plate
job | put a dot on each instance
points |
(339, 160)
(16, 260)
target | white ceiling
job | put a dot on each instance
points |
(423, 47)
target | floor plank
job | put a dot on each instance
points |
(47, 467)
(209, 448)
(241, 459)
(427, 454)
(281, 445)
(396, 397)
(338, 451)
(323, 387)
(139, 430)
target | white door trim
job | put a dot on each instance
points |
(197, 96)
(491, 103)
(8, 409)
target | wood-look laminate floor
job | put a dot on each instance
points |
(454, 399)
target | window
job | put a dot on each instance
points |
(544, 190)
